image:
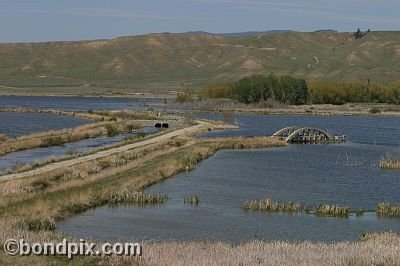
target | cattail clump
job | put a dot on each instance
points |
(332, 210)
(385, 209)
(137, 197)
(268, 205)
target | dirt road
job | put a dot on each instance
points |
(105, 153)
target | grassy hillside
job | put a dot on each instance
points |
(163, 62)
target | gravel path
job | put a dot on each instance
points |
(105, 153)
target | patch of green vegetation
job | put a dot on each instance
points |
(253, 89)
(40, 225)
(52, 141)
(375, 110)
(111, 130)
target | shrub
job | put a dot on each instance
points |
(374, 110)
(53, 141)
(111, 130)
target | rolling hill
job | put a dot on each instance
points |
(163, 62)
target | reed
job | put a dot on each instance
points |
(192, 200)
(137, 197)
(268, 205)
(332, 210)
(36, 225)
(370, 249)
(378, 249)
(386, 209)
(391, 160)
(389, 164)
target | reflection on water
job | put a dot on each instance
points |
(311, 174)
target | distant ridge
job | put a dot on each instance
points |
(171, 61)
(250, 33)
(329, 30)
(239, 34)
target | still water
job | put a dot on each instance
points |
(14, 159)
(75, 103)
(311, 174)
(17, 124)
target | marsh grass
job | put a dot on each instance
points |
(137, 197)
(386, 209)
(373, 249)
(192, 200)
(391, 160)
(268, 205)
(370, 249)
(389, 164)
(332, 210)
(90, 184)
(40, 224)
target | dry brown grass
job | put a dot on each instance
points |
(332, 210)
(268, 205)
(374, 249)
(386, 209)
(371, 249)
(389, 164)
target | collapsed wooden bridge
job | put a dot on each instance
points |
(295, 134)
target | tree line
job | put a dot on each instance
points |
(256, 88)
(323, 92)
(295, 91)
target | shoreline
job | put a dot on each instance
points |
(167, 252)
(348, 109)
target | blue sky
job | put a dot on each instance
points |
(43, 20)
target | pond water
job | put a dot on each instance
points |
(75, 103)
(30, 156)
(17, 124)
(311, 174)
